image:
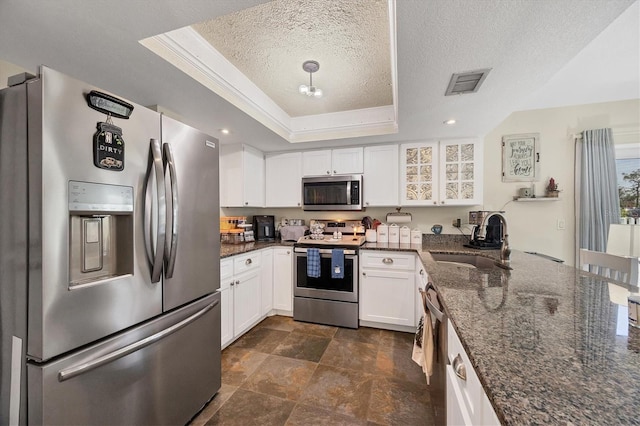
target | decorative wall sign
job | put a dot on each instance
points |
(108, 147)
(521, 157)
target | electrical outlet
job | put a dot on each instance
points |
(561, 224)
(456, 223)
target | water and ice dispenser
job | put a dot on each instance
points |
(101, 232)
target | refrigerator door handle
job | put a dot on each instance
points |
(76, 370)
(158, 238)
(171, 243)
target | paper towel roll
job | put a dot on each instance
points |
(398, 217)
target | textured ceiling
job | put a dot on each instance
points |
(349, 38)
(530, 44)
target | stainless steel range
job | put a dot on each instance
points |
(326, 274)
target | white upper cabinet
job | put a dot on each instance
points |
(381, 175)
(460, 172)
(242, 176)
(343, 161)
(441, 173)
(284, 180)
(419, 171)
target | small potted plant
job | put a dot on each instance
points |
(552, 189)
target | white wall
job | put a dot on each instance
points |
(532, 225)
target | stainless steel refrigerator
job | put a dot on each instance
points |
(109, 259)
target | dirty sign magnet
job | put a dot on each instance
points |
(108, 147)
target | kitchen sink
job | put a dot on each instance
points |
(468, 260)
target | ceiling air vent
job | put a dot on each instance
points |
(466, 82)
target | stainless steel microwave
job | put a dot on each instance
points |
(332, 193)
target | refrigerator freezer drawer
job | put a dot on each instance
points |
(161, 372)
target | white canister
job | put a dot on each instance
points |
(405, 235)
(370, 235)
(416, 236)
(383, 233)
(394, 233)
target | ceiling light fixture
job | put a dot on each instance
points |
(225, 131)
(310, 90)
(450, 122)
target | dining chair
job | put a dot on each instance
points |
(619, 268)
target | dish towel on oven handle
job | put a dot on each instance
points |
(313, 263)
(337, 263)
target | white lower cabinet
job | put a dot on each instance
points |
(387, 288)
(240, 289)
(283, 280)
(467, 403)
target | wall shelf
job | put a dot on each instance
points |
(515, 198)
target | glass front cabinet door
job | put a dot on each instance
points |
(442, 173)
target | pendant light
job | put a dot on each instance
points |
(310, 90)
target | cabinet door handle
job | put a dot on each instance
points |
(248, 262)
(387, 261)
(459, 368)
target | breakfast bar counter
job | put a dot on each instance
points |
(550, 344)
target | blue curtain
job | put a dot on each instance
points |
(599, 198)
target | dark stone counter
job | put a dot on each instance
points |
(228, 250)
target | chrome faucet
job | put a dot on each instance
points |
(505, 250)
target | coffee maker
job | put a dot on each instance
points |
(264, 228)
(487, 233)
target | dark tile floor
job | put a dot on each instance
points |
(285, 372)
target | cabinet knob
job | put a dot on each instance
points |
(364, 274)
(232, 283)
(246, 203)
(288, 252)
(435, 202)
(441, 202)
(335, 173)
(237, 282)
(328, 172)
(387, 261)
(298, 204)
(421, 271)
(367, 203)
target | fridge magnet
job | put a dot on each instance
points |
(521, 157)
(108, 147)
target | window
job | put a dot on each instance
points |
(628, 170)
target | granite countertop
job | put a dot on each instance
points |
(228, 250)
(551, 344)
(546, 340)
